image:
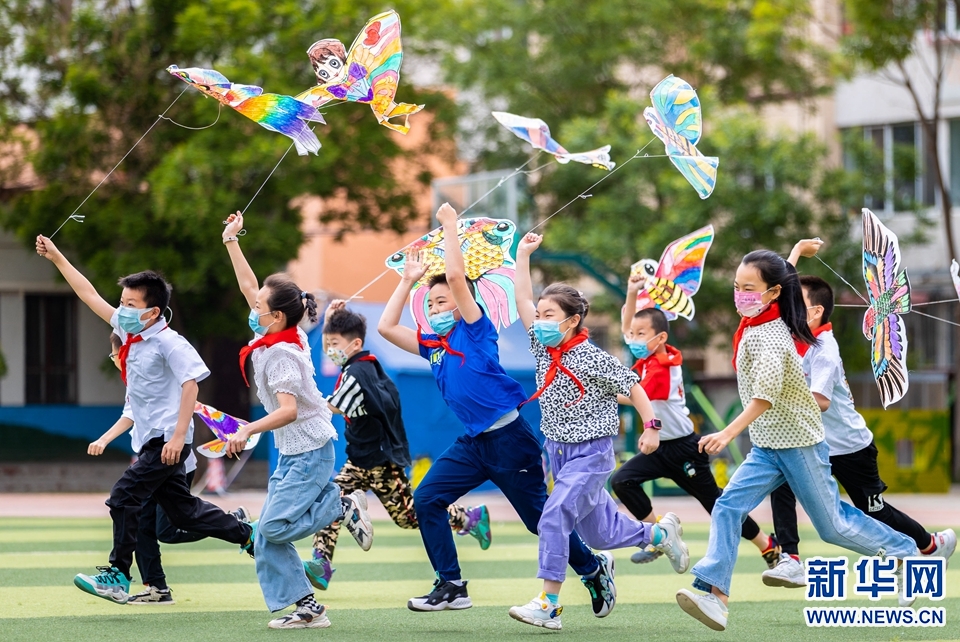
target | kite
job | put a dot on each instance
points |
(889, 291)
(223, 427)
(536, 132)
(486, 244)
(675, 119)
(670, 284)
(369, 73)
(281, 114)
(955, 275)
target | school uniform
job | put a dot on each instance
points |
(678, 458)
(853, 455)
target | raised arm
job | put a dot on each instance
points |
(84, 289)
(336, 304)
(805, 248)
(247, 280)
(523, 286)
(389, 326)
(630, 305)
(456, 273)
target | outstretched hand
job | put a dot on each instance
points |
(414, 267)
(234, 225)
(447, 216)
(47, 249)
(635, 283)
(336, 304)
(529, 243)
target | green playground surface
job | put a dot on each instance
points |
(218, 597)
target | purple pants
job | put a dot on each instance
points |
(580, 502)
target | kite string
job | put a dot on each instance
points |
(79, 219)
(196, 129)
(912, 305)
(930, 316)
(817, 256)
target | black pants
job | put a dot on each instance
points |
(681, 461)
(860, 477)
(168, 485)
(155, 527)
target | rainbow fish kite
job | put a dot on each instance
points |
(486, 245)
(670, 284)
(889, 291)
(368, 73)
(223, 426)
(537, 133)
(675, 119)
(281, 114)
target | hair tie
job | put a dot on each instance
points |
(303, 295)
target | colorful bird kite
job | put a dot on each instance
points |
(369, 73)
(670, 284)
(223, 427)
(889, 291)
(281, 114)
(486, 244)
(536, 132)
(955, 275)
(676, 120)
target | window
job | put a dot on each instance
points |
(51, 359)
(902, 153)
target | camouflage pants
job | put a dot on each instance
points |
(391, 486)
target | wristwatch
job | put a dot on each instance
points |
(654, 424)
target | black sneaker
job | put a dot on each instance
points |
(444, 596)
(241, 514)
(603, 592)
(153, 596)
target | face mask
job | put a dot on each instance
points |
(129, 319)
(337, 355)
(442, 322)
(639, 350)
(254, 322)
(812, 307)
(750, 304)
(548, 332)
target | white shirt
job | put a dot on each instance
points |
(136, 439)
(846, 431)
(284, 367)
(157, 368)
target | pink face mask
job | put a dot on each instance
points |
(750, 304)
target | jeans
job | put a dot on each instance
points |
(807, 470)
(301, 500)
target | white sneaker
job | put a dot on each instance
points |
(539, 612)
(788, 573)
(672, 546)
(946, 543)
(902, 600)
(705, 607)
(645, 555)
(303, 618)
(356, 519)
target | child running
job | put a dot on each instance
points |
(301, 499)
(678, 458)
(787, 436)
(853, 455)
(579, 385)
(160, 370)
(498, 446)
(377, 449)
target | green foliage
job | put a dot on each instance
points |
(881, 33)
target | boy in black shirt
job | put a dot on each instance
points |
(377, 449)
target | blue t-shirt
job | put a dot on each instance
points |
(478, 392)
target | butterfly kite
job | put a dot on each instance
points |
(670, 284)
(675, 119)
(955, 275)
(889, 291)
(282, 114)
(223, 427)
(536, 132)
(368, 73)
(486, 245)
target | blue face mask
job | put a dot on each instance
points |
(548, 332)
(639, 350)
(442, 322)
(129, 319)
(254, 322)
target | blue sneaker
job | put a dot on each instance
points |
(319, 571)
(248, 547)
(478, 526)
(110, 584)
(603, 592)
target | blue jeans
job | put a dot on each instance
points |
(807, 470)
(301, 500)
(510, 457)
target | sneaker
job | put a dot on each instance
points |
(705, 607)
(946, 544)
(603, 592)
(303, 618)
(319, 572)
(444, 596)
(902, 599)
(110, 584)
(248, 547)
(771, 554)
(241, 514)
(539, 612)
(645, 555)
(356, 519)
(478, 525)
(672, 546)
(152, 595)
(788, 573)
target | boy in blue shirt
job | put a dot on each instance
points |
(499, 444)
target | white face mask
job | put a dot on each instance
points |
(337, 355)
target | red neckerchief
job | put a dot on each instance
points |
(289, 335)
(672, 357)
(124, 352)
(440, 342)
(556, 354)
(803, 347)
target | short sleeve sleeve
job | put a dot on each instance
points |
(185, 362)
(480, 329)
(127, 410)
(424, 350)
(348, 397)
(656, 381)
(766, 376)
(612, 376)
(825, 374)
(283, 374)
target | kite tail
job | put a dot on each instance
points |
(495, 293)
(305, 140)
(418, 306)
(397, 110)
